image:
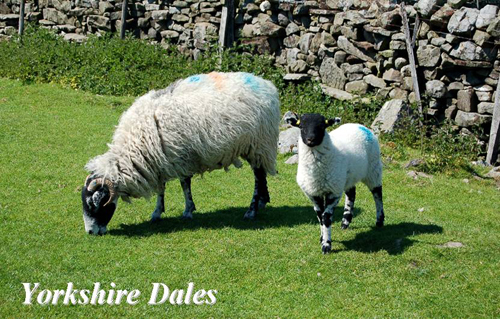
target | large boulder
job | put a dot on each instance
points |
(466, 119)
(288, 140)
(436, 89)
(463, 21)
(486, 16)
(331, 74)
(390, 116)
(428, 56)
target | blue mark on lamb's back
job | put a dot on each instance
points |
(251, 80)
(368, 134)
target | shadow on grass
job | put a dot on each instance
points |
(391, 238)
(270, 217)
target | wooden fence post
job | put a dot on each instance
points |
(226, 31)
(411, 57)
(494, 142)
(21, 18)
(124, 19)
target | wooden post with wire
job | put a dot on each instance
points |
(494, 142)
(124, 19)
(226, 32)
(21, 18)
(411, 56)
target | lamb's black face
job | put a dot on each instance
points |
(96, 215)
(312, 129)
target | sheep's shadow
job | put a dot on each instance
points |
(392, 238)
(270, 217)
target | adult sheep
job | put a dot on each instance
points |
(330, 164)
(198, 124)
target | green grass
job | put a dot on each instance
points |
(271, 267)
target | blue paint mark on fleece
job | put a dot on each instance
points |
(251, 80)
(194, 78)
(367, 132)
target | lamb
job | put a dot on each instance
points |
(330, 164)
(196, 125)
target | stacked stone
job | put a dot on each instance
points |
(351, 46)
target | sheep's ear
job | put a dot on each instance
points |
(333, 121)
(293, 121)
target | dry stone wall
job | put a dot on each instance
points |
(351, 46)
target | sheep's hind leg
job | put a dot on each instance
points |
(160, 205)
(377, 196)
(330, 202)
(350, 197)
(260, 194)
(190, 207)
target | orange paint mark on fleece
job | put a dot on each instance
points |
(218, 79)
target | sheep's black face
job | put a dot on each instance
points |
(96, 215)
(312, 127)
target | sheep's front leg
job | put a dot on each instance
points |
(350, 196)
(330, 202)
(260, 194)
(160, 205)
(377, 196)
(319, 207)
(188, 197)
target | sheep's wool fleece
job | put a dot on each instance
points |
(197, 124)
(347, 155)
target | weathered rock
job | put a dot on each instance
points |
(336, 93)
(344, 44)
(283, 20)
(339, 57)
(463, 21)
(485, 107)
(375, 81)
(288, 139)
(428, 56)
(468, 50)
(293, 159)
(480, 37)
(292, 28)
(169, 34)
(264, 6)
(104, 6)
(390, 20)
(494, 28)
(331, 74)
(269, 29)
(466, 100)
(299, 66)
(160, 15)
(397, 93)
(427, 7)
(466, 119)
(390, 116)
(399, 63)
(441, 17)
(455, 4)
(451, 112)
(392, 75)
(99, 22)
(320, 39)
(73, 37)
(436, 89)
(305, 42)
(289, 42)
(486, 16)
(359, 87)
(294, 77)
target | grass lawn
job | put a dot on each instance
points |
(271, 267)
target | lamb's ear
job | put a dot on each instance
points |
(292, 119)
(333, 121)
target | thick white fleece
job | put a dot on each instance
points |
(346, 156)
(198, 124)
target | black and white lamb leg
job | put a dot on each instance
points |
(377, 196)
(350, 197)
(260, 194)
(330, 202)
(160, 205)
(188, 197)
(319, 207)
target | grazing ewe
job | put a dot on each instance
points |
(330, 164)
(195, 125)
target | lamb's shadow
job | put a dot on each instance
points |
(392, 238)
(270, 217)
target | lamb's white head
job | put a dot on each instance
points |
(312, 127)
(99, 200)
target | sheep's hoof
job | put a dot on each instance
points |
(250, 215)
(326, 248)
(187, 215)
(262, 204)
(344, 225)
(155, 218)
